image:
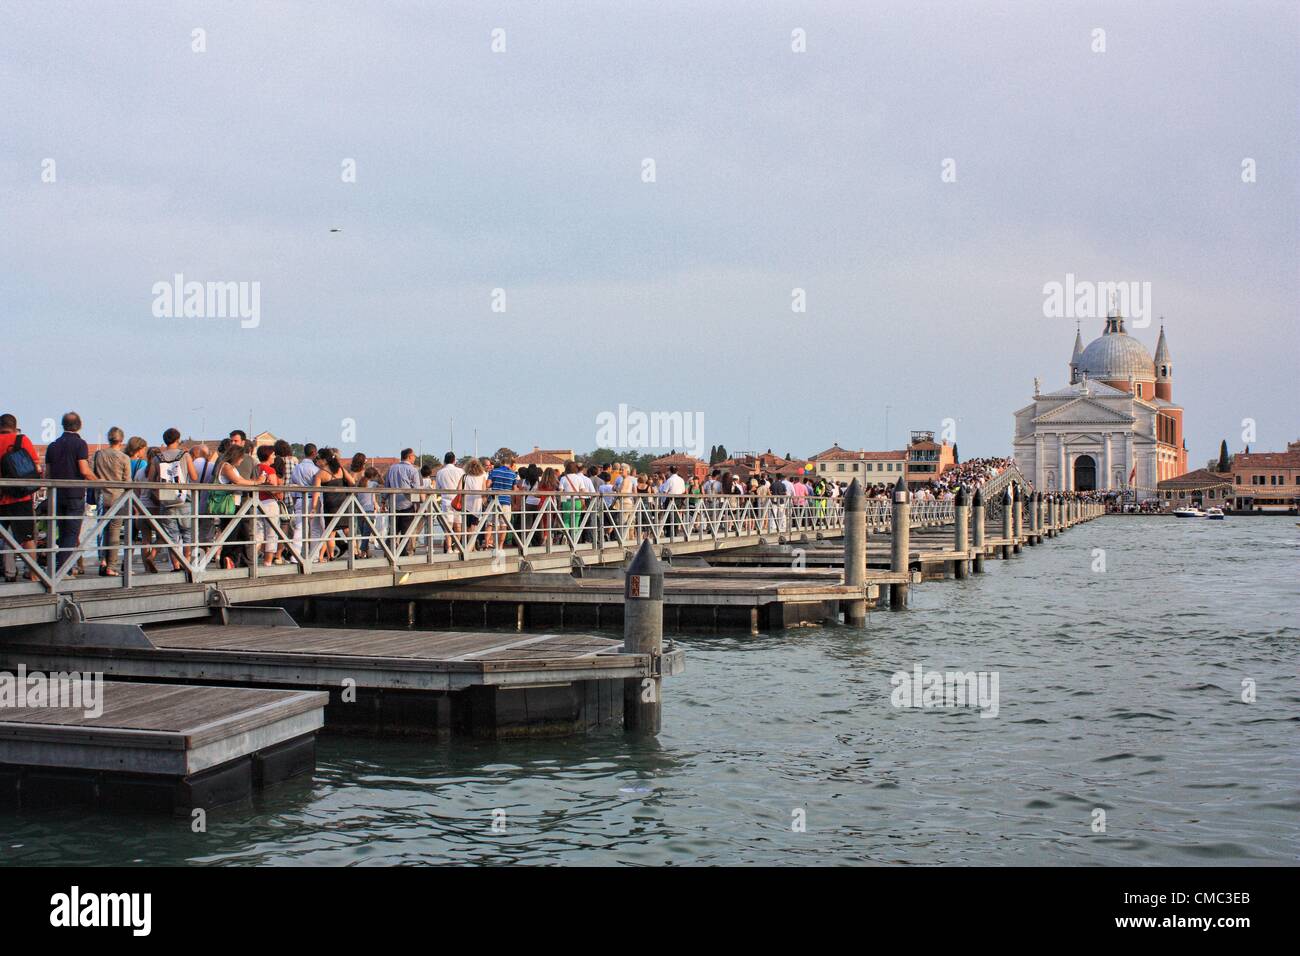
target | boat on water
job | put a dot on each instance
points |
(1188, 513)
(1214, 514)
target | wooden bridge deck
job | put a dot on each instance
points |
(752, 587)
(168, 596)
(326, 657)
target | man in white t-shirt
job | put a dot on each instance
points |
(674, 484)
(449, 478)
(672, 488)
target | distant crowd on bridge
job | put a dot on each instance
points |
(297, 495)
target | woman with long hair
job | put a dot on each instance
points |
(334, 475)
(228, 474)
(269, 503)
(475, 479)
(547, 488)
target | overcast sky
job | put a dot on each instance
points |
(522, 170)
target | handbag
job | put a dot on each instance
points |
(221, 503)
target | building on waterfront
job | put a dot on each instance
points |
(745, 464)
(1266, 480)
(546, 457)
(927, 459)
(687, 465)
(922, 461)
(1200, 489)
(1114, 427)
(873, 467)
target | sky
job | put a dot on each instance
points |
(920, 170)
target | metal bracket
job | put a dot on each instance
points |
(216, 598)
(69, 611)
(670, 662)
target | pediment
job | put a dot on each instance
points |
(1083, 411)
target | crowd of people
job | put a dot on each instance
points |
(484, 504)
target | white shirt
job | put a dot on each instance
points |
(573, 482)
(673, 485)
(448, 478)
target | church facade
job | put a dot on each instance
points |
(1114, 427)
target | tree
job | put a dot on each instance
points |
(601, 456)
(1225, 463)
(722, 453)
(504, 454)
(956, 459)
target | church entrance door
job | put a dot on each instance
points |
(1085, 473)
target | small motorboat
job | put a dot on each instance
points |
(1188, 513)
(1214, 514)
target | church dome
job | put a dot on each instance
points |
(1115, 356)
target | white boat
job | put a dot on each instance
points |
(1214, 514)
(1188, 513)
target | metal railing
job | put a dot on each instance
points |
(217, 532)
(993, 488)
(125, 536)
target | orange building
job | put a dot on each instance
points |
(687, 466)
(928, 459)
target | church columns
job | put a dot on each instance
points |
(1063, 470)
(1040, 466)
(1104, 484)
(1130, 461)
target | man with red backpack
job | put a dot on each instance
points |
(17, 516)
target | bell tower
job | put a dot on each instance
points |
(1164, 368)
(1074, 358)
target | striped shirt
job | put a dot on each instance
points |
(502, 478)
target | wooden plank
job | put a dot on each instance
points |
(190, 716)
(433, 647)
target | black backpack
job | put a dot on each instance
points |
(17, 463)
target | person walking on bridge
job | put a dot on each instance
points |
(403, 475)
(174, 465)
(449, 478)
(68, 459)
(673, 490)
(111, 465)
(303, 474)
(17, 511)
(502, 478)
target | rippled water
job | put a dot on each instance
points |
(1119, 690)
